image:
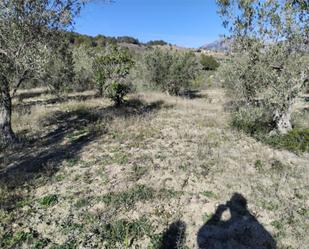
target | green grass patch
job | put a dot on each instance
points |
(40, 244)
(258, 124)
(258, 165)
(165, 193)
(277, 224)
(209, 194)
(82, 203)
(48, 200)
(137, 172)
(72, 244)
(128, 198)
(15, 240)
(297, 140)
(122, 233)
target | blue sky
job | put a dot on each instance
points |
(188, 23)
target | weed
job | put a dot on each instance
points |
(69, 227)
(120, 158)
(258, 165)
(72, 162)
(269, 206)
(40, 244)
(124, 232)
(24, 202)
(82, 203)
(206, 217)
(277, 166)
(277, 224)
(168, 193)
(72, 137)
(60, 177)
(137, 172)
(72, 244)
(209, 194)
(49, 200)
(130, 197)
(13, 240)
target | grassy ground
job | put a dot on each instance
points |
(146, 175)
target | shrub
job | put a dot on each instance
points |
(208, 62)
(171, 71)
(258, 123)
(296, 140)
(111, 69)
(252, 120)
(117, 90)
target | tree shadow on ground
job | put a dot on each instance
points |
(31, 94)
(241, 231)
(68, 132)
(192, 94)
(175, 236)
(25, 106)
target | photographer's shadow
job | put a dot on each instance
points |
(241, 231)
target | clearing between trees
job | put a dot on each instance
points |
(148, 174)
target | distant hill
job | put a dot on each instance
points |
(221, 45)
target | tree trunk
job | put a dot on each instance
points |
(283, 121)
(7, 135)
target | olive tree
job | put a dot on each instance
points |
(171, 71)
(111, 69)
(29, 30)
(269, 54)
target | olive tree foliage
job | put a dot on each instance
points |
(83, 70)
(270, 64)
(59, 70)
(111, 69)
(29, 31)
(171, 71)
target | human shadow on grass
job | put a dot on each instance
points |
(43, 155)
(241, 231)
(175, 236)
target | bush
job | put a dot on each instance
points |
(253, 121)
(111, 69)
(259, 124)
(208, 62)
(171, 71)
(116, 91)
(296, 140)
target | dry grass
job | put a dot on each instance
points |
(160, 160)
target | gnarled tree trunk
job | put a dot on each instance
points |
(7, 135)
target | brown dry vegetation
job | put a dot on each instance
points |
(160, 164)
